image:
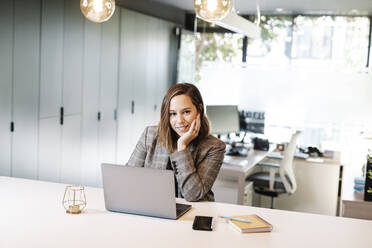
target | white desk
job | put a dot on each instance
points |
(31, 215)
(353, 204)
(317, 188)
(238, 168)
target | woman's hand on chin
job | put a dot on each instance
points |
(190, 135)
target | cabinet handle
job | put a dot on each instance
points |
(61, 113)
(115, 114)
(155, 107)
(12, 127)
(132, 110)
(99, 116)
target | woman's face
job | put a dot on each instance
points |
(181, 113)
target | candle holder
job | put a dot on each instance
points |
(74, 200)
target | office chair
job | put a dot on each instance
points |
(280, 179)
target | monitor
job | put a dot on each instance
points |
(224, 119)
(252, 121)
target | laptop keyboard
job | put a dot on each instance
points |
(181, 208)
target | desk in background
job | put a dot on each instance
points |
(353, 204)
(318, 184)
(318, 187)
(231, 184)
(32, 215)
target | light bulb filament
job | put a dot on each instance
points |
(98, 6)
(212, 5)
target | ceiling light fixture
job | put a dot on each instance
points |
(97, 10)
(212, 10)
(222, 13)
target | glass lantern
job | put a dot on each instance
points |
(74, 200)
(212, 10)
(97, 10)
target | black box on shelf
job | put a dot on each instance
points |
(368, 185)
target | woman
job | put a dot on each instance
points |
(182, 143)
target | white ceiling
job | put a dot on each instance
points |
(335, 7)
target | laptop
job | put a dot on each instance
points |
(142, 191)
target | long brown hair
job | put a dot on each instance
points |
(168, 137)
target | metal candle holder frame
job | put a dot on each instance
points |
(74, 200)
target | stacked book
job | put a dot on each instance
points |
(359, 183)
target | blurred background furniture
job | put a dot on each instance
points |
(280, 178)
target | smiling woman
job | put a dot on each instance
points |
(182, 143)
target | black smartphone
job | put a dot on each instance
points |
(203, 223)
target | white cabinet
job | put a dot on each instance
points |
(99, 98)
(126, 83)
(90, 103)
(73, 41)
(140, 57)
(51, 90)
(79, 93)
(50, 149)
(150, 72)
(71, 150)
(26, 88)
(144, 76)
(6, 58)
(61, 74)
(51, 58)
(101, 60)
(108, 92)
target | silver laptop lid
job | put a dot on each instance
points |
(138, 190)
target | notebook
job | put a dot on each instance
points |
(257, 224)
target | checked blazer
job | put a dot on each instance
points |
(195, 168)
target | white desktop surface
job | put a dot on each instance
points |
(31, 215)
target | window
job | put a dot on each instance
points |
(274, 46)
(216, 47)
(335, 41)
(311, 41)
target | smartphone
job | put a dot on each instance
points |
(203, 223)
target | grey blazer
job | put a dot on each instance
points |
(195, 168)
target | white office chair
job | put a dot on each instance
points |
(280, 179)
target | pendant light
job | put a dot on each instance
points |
(212, 10)
(97, 10)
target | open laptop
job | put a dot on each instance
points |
(139, 190)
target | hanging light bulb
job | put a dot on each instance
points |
(97, 10)
(212, 10)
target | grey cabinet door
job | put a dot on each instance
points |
(6, 62)
(108, 92)
(73, 42)
(72, 78)
(100, 80)
(71, 150)
(139, 76)
(90, 103)
(150, 71)
(50, 149)
(162, 49)
(51, 58)
(145, 75)
(51, 69)
(26, 88)
(126, 81)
